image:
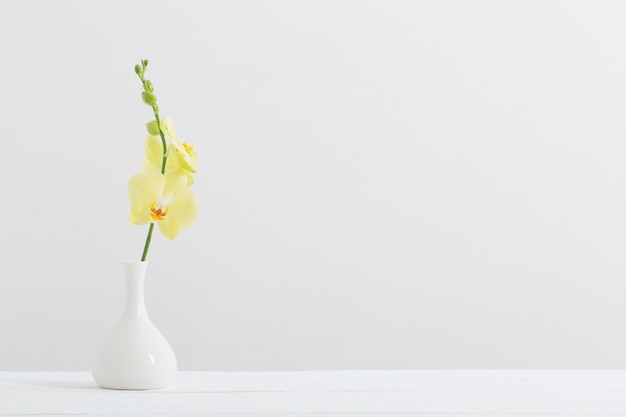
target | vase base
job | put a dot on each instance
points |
(121, 385)
(132, 389)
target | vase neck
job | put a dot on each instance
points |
(134, 274)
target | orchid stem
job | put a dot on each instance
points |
(158, 120)
(149, 237)
(155, 110)
(147, 245)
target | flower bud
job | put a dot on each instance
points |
(148, 86)
(137, 69)
(153, 128)
(144, 62)
(149, 98)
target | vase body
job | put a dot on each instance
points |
(135, 355)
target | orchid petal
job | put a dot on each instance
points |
(143, 190)
(183, 210)
(154, 154)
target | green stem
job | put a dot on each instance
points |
(164, 161)
(149, 237)
(156, 116)
(147, 245)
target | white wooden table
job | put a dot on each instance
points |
(449, 393)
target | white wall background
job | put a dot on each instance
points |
(433, 184)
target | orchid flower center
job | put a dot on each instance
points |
(188, 148)
(158, 211)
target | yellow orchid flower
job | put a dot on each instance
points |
(183, 154)
(154, 159)
(160, 194)
(162, 199)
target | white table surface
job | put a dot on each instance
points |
(444, 393)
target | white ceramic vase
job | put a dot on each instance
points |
(135, 355)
